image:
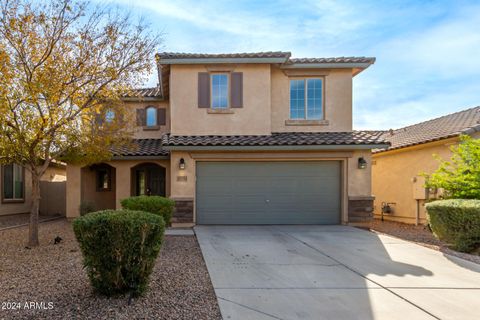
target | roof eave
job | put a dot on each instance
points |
(333, 65)
(223, 60)
(140, 157)
(278, 148)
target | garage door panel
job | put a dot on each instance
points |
(215, 185)
(248, 185)
(268, 192)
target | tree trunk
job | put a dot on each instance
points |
(33, 228)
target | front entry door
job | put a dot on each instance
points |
(149, 180)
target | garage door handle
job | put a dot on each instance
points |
(267, 201)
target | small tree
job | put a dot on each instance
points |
(63, 67)
(459, 177)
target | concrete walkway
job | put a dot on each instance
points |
(334, 272)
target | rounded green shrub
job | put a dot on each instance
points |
(119, 249)
(153, 204)
(456, 222)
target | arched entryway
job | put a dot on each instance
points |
(148, 179)
(98, 186)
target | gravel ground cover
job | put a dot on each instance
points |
(420, 235)
(180, 286)
(19, 219)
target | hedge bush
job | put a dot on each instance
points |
(86, 207)
(153, 204)
(456, 222)
(119, 249)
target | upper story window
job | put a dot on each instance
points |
(219, 91)
(151, 116)
(306, 99)
(12, 182)
(109, 116)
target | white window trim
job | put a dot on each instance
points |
(305, 104)
(211, 90)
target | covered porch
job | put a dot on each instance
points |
(102, 186)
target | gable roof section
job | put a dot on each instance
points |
(283, 139)
(448, 126)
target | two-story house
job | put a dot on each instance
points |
(250, 138)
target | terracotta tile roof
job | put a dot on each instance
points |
(141, 147)
(182, 55)
(154, 92)
(451, 125)
(333, 60)
(269, 54)
(280, 139)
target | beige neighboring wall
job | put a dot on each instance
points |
(188, 119)
(337, 101)
(357, 182)
(19, 207)
(55, 174)
(393, 174)
(122, 182)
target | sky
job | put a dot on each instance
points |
(428, 52)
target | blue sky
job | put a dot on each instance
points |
(428, 52)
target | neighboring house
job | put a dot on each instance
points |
(16, 190)
(397, 182)
(253, 138)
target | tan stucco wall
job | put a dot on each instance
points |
(337, 100)
(266, 96)
(188, 119)
(356, 182)
(122, 181)
(393, 178)
(359, 180)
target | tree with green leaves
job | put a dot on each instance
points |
(459, 177)
(64, 65)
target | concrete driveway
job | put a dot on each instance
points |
(334, 272)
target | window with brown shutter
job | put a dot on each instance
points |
(203, 90)
(141, 119)
(161, 116)
(236, 96)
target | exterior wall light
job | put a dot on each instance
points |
(362, 163)
(181, 164)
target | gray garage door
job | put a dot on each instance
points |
(268, 192)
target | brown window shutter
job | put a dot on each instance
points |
(237, 90)
(203, 90)
(98, 119)
(161, 116)
(141, 117)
